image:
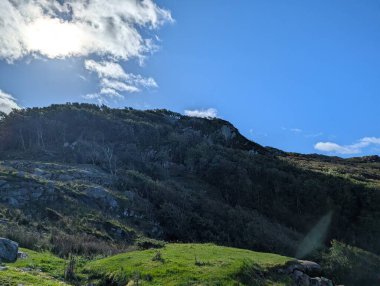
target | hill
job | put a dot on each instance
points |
(90, 180)
(174, 264)
(189, 264)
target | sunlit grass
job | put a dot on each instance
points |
(183, 264)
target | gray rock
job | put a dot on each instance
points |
(227, 133)
(102, 194)
(13, 202)
(22, 255)
(8, 250)
(310, 268)
(65, 177)
(320, 281)
(300, 278)
(39, 172)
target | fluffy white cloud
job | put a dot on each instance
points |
(78, 28)
(106, 69)
(113, 78)
(356, 148)
(203, 113)
(114, 30)
(112, 86)
(7, 102)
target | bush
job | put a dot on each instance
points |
(158, 257)
(350, 265)
(25, 237)
(70, 269)
(148, 243)
(64, 245)
(253, 274)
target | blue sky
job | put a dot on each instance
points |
(301, 76)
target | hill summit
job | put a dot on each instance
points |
(87, 179)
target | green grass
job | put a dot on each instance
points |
(182, 264)
(43, 261)
(15, 277)
(39, 269)
(174, 264)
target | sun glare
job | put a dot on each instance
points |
(54, 38)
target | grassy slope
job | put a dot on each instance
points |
(44, 269)
(216, 265)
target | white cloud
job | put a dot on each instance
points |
(114, 30)
(113, 78)
(355, 148)
(296, 130)
(313, 135)
(78, 28)
(105, 69)
(7, 102)
(203, 113)
(115, 85)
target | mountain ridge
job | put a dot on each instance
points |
(87, 179)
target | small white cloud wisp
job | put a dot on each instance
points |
(203, 113)
(356, 148)
(296, 130)
(7, 102)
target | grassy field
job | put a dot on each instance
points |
(174, 264)
(15, 277)
(186, 264)
(39, 268)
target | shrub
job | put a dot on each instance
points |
(253, 274)
(70, 269)
(350, 265)
(158, 257)
(148, 243)
(81, 244)
(25, 237)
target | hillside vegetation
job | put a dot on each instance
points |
(90, 180)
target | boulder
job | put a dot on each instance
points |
(8, 250)
(320, 281)
(310, 268)
(22, 255)
(306, 273)
(300, 278)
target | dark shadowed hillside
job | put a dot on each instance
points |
(105, 178)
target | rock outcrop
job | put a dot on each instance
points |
(307, 273)
(8, 250)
